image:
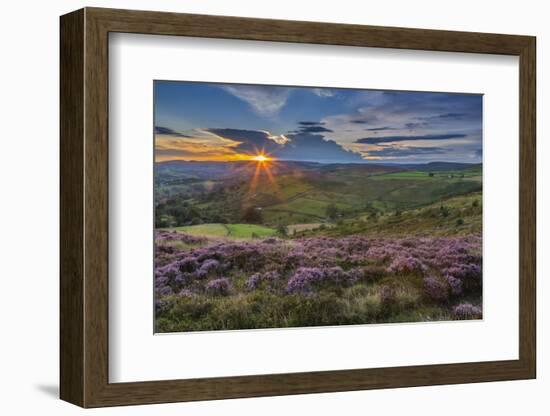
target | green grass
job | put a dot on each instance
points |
(302, 197)
(236, 231)
(207, 230)
(442, 175)
(462, 215)
(307, 206)
(358, 304)
(248, 230)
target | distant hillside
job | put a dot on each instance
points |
(300, 193)
(440, 166)
(460, 215)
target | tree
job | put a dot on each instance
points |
(332, 211)
(281, 229)
(431, 174)
(252, 215)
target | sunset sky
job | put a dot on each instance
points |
(223, 122)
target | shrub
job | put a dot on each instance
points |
(218, 287)
(188, 264)
(185, 293)
(467, 311)
(303, 279)
(405, 265)
(258, 279)
(208, 267)
(435, 289)
(387, 295)
(455, 285)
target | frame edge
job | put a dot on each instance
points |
(72, 298)
(84, 284)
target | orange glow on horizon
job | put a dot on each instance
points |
(261, 158)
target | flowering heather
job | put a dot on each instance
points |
(455, 285)
(171, 236)
(165, 291)
(218, 287)
(187, 264)
(406, 264)
(304, 279)
(466, 311)
(185, 293)
(256, 280)
(208, 267)
(435, 289)
(392, 274)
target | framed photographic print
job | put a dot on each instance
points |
(259, 207)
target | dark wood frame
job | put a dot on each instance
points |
(84, 208)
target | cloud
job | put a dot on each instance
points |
(311, 123)
(311, 127)
(416, 125)
(303, 146)
(315, 148)
(169, 132)
(455, 116)
(265, 100)
(381, 128)
(323, 92)
(314, 129)
(392, 139)
(251, 141)
(172, 147)
(374, 114)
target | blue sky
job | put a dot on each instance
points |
(209, 121)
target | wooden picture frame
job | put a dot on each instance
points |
(84, 207)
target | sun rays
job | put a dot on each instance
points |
(261, 158)
(263, 166)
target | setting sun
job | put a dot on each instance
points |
(261, 158)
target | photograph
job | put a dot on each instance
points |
(282, 206)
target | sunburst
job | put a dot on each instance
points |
(262, 158)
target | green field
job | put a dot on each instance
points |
(235, 231)
(456, 216)
(323, 194)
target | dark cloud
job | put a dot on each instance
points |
(251, 140)
(391, 139)
(404, 151)
(445, 116)
(455, 116)
(170, 132)
(314, 129)
(302, 146)
(311, 127)
(359, 121)
(315, 148)
(416, 125)
(311, 123)
(381, 128)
